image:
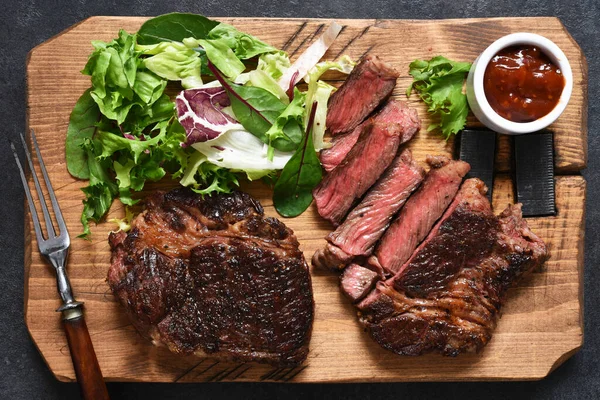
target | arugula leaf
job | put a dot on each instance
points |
(293, 191)
(175, 27)
(82, 126)
(439, 83)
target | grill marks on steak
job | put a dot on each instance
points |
(419, 214)
(366, 223)
(449, 296)
(369, 83)
(215, 277)
(392, 112)
(364, 164)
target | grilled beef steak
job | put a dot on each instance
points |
(419, 214)
(448, 296)
(392, 112)
(368, 221)
(369, 83)
(364, 164)
(213, 276)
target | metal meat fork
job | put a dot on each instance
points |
(56, 249)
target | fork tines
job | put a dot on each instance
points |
(62, 229)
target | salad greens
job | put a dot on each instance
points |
(175, 27)
(439, 83)
(82, 126)
(293, 191)
(238, 112)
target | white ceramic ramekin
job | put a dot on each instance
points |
(476, 96)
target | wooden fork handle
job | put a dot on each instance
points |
(84, 359)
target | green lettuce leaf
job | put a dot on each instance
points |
(204, 178)
(82, 126)
(222, 57)
(286, 132)
(174, 61)
(243, 45)
(119, 84)
(274, 64)
(100, 192)
(439, 83)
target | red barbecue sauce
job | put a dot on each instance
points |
(522, 84)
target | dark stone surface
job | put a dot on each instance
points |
(26, 23)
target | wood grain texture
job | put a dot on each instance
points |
(542, 322)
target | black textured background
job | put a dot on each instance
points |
(27, 23)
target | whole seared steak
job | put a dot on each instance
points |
(213, 276)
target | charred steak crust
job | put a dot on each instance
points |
(213, 276)
(448, 298)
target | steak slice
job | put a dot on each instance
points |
(419, 214)
(368, 221)
(449, 296)
(213, 276)
(393, 112)
(340, 147)
(364, 164)
(357, 281)
(370, 82)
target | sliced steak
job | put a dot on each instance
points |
(356, 281)
(213, 276)
(419, 214)
(370, 82)
(366, 223)
(449, 296)
(340, 147)
(393, 112)
(372, 154)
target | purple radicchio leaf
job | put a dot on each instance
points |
(200, 112)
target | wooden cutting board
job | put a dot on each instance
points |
(542, 322)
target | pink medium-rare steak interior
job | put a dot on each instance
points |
(448, 297)
(370, 82)
(421, 211)
(365, 224)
